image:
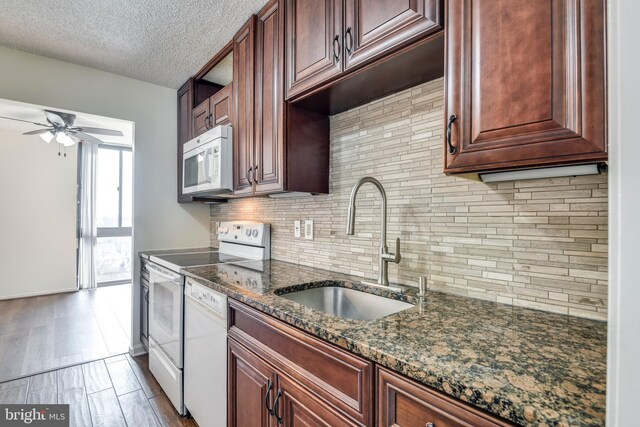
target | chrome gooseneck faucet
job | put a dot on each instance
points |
(385, 255)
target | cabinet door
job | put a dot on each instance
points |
(243, 101)
(201, 119)
(376, 27)
(526, 80)
(403, 403)
(249, 381)
(298, 408)
(221, 106)
(269, 123)
(313, 43)
(185, 107)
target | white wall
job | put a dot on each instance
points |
(159, 222)
(37, 228)
(623, 388)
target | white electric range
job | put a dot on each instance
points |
(238, 241)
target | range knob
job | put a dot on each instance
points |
(255, 233)
(248, 232)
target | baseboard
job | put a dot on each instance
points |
(37, 294)
(137, 350)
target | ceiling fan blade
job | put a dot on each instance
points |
(59, 118)
(86, 138)
(101, 131)
(37, 132)
(24, 121)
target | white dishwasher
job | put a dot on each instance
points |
(205, 355)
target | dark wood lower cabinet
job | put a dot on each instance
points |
(249, 381)
(299, 408)
(404, 403)
(281, 376)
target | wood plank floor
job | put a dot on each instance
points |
(116, 391)
(38, 334)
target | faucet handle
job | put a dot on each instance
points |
(396, 256)
(390, 256)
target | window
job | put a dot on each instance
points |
(114, 214)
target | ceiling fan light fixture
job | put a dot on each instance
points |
(64, 139)
(47, 137)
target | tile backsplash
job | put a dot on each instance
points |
(538, 243)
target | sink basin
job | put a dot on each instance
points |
(347, 303)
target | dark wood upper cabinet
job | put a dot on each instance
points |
(374, 27)
(214, 111)
(185, 107)
(526, 81)
(243, 102)
(269, 100)
(327, 39)
(200, 119)
(288, 149)
(314, 43)
(221, 106)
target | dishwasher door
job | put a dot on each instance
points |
(205, 355)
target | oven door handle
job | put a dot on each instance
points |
(164, 273)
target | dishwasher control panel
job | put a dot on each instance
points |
(212, 299)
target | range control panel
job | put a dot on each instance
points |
(245, 232)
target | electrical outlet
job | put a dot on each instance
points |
(308, 229)
(296, 228)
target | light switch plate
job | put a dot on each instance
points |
(296, 228)
(308, 229)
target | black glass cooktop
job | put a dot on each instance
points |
(198, 258)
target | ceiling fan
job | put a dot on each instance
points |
(60, 128)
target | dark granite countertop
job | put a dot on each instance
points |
(530, 367)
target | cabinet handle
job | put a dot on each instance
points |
(146, 296)
(275, 406)
(210, 121)
(266, 397)
(336, 42)
(249, 176)
(206, 122)
(348, 39)
(255, 174)
(430, 425)
(452, 149)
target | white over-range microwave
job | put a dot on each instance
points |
(207, 165)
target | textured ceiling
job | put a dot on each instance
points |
(158, 41)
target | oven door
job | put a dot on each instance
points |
(201, 168)
(166, 305)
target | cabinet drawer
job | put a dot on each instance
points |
(342, 380)
(404, 403)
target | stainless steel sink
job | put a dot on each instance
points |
(347, 303)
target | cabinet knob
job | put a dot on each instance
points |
(336, 44)
(452, 149)
(430, 425)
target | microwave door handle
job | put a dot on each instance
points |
(208, 164)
